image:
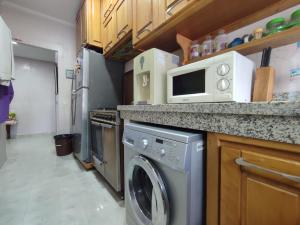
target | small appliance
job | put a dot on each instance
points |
(223, 78)
(107, 151)
(150, 76)
(164, 171)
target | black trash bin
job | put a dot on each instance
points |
(63, 144)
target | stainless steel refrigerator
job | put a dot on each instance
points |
(97, 84)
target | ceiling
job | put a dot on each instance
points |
(64, 10)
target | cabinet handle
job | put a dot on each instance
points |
(172, 6)
(123, 31)
(241, 162)
(143, 30)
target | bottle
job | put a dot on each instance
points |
(207, 46)
(220, 42)
(195, 50)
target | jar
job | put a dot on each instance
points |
(258, 33)
(276, 25)
(220, 42)
(207, 46)
(195, 50)
(295, 18)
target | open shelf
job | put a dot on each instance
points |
(202, 17)
(276, 40)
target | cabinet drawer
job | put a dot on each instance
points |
(276, 168)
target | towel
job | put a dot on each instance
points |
(6, 96)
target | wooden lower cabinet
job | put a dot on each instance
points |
(252, 182)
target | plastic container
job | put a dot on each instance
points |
(63, 144)
(207, 46)
(195, 50)
(277, 25)
(295, 18)
(220, 42)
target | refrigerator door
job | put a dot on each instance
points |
(105, 82)
(80, 126)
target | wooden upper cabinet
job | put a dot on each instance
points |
(174, 6)
(88, 24)
(258, 186)
(84, 29)
(123, 18)
(78, 31)
(94, 23)
(143, 18)
(109, 33)
(108, 6)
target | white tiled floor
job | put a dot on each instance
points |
(39, 188)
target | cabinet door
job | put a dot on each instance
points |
(255, 189)
(94, 23)
(123, 18)
(84, 22)
(108, 6)
(109, 33)
(174, 6)
(143, 18)
(78, 32)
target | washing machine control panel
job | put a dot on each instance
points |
(165, 151)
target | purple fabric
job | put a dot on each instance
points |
(6, 95)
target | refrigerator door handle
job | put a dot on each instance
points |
(78, 89)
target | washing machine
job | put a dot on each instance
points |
(164, 171)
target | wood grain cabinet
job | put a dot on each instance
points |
(123, 18)
(109, 33)
(146, 17)
(117, 17)
(88, 24)
(257, 182)
(174, 6)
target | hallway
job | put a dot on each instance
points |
(39, 188)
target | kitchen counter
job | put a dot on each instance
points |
(274, 121)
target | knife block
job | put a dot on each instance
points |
(264, 84)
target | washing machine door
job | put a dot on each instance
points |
(147, 193)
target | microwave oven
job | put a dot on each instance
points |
(223, 78)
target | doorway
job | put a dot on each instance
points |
(35, 87)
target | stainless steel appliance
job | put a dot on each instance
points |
(107, 153)
(164, 176)
(98, 83)
(226, 77)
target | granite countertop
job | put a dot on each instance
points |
(272, 108)
(276, 121)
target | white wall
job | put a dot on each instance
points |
(282, 59)
(42, 32)
(34, 100)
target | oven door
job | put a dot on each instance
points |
(147, 193)
(97, 146)
(106, 152)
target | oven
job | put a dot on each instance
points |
(107, 154)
